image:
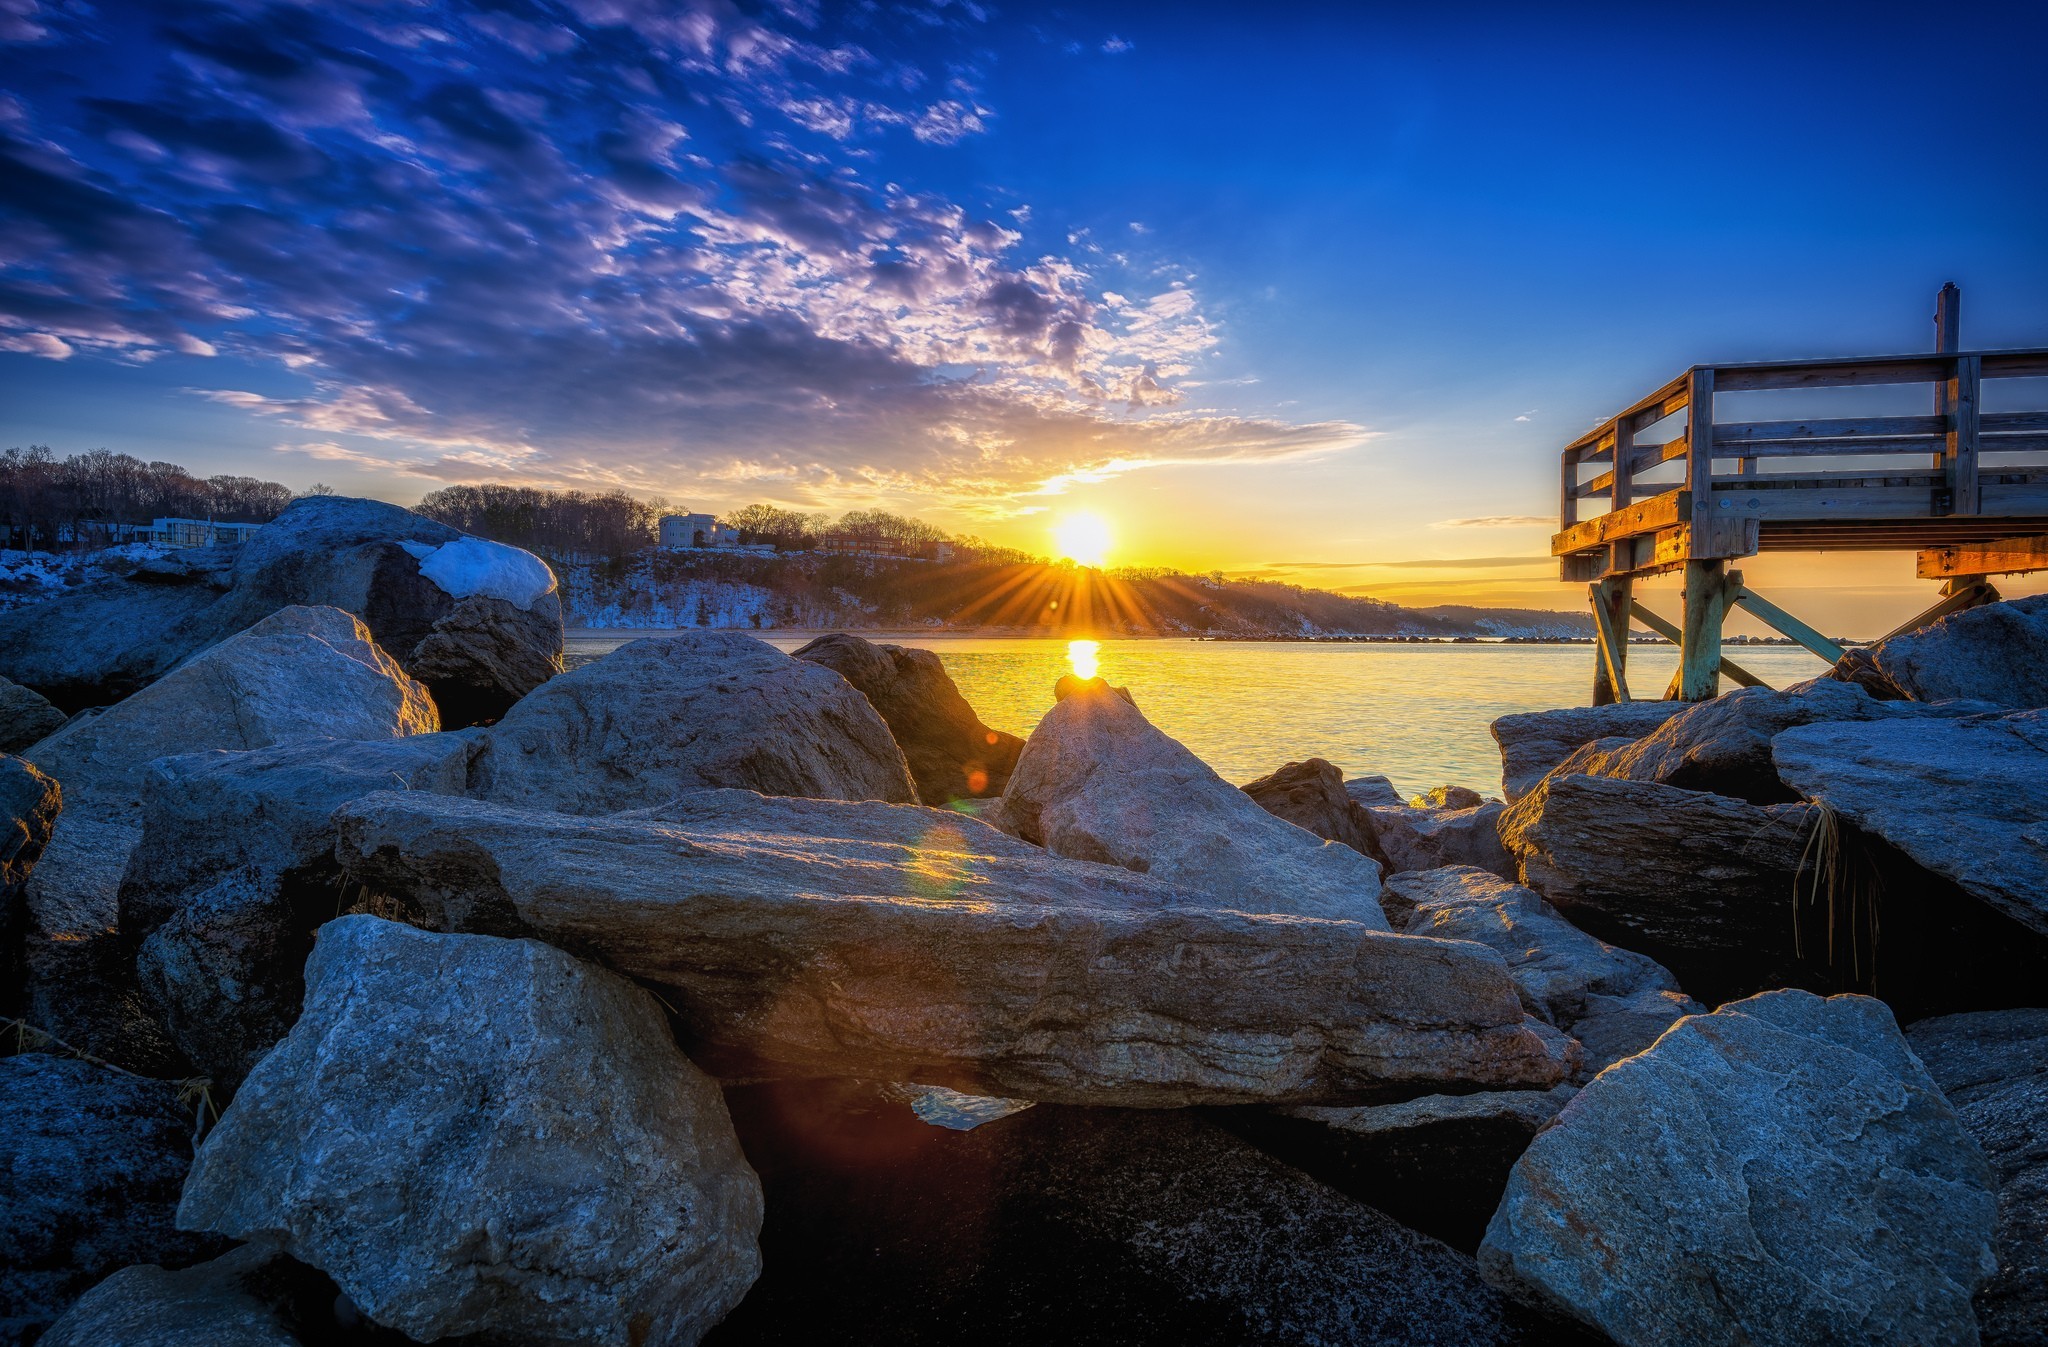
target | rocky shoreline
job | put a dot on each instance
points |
(371, 979)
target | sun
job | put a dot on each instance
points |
(1082, 537)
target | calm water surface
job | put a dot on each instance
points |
(1418, 713)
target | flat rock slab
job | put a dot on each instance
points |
(1966, 799)
(1779, 1173)
(820, 938)
(1993, 1066)
(483, 1136)
(1534, 742)
(661, 716)
(1099, 782)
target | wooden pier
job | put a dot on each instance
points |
(1965, 487)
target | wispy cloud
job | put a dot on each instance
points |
(1497, 521)
(1417, 563)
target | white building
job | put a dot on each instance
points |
(690, 530)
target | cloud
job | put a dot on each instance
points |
(1420, 563)
(1498, 521)
(1116, 46)
(605, 242)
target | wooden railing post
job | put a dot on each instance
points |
(1568, 490)
(1699, 459)
(1948, 336)
(1960, 456)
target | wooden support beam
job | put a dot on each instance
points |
(1699, 458)
(2000, 556)
(1782, 622)
(1699, 646)
(1735, 672)
(1610, 599)
(1959, 459)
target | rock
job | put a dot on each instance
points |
(29, 802)
(399, 572)
(25, 717)
(1314, 797)
(1613, 1001)
(473, 1135)
(1437, 1164)
(1098, 782)
(1988, 833)
(299, 673)
(1996, 653)
(241, 1299)
(1782, 1171)
(486, 654)
(911, 944)
(1994, 1068)
(1449, 797)
(1079, 1226)
(1724, 745)
(661, 716)
(91, 1161)
(1421, 837)
(1372, 790)
(1534, 742)
(1701, 883)
(952, 755)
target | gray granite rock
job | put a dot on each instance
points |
(1099, 782)
(1993, 1066)
(903, 943)
(1534, 742)
(238, 1300)
(486, 653)
(952, 755)
(25, 717)
(1782, 1171)
(1372, 790)
(1428, 837)
(661, 716)
(1987, 830)
(91, 1162)
(1314, 797)
(1996, 653)
(474, 1135)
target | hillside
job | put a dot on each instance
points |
(820, 591)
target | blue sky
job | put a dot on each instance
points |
(1304, 289)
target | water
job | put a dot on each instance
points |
(1417, 713)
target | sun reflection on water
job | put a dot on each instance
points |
(1082, 657)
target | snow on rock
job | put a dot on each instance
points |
(474, 566)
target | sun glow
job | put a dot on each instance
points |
(1082, 537)
(1082, 657)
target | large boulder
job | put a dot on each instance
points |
(486, 653)
(1313, 796)
(474, 1135)
(1703, 884)
(815, 938)
(1996, 653)
(25, 717)
(1965, 799)
(1613, 1001)
(952, 755)
(1429, 837)
(399, 572)
(1099, 782)
(1993, 1066)
(253, 1296)
(661, 716)
(1782, 1171)
(1080, 1226)
(1532, 743)
(91, 1163)
(29, 803)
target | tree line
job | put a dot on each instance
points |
(77, 501)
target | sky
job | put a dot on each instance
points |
(1314, 292)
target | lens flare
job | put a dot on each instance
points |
(1082, 537)
(1082, 656)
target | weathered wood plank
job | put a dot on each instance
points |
(1960, 456)
(1610, 599)
(1664, 401)
(2001, 556)
(1568, 488)
(1852, 371)
(1742, 432)
(1782, 622)
(1644, 516)
(1842, 447)
(1699, 452)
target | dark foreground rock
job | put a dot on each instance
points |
(253, 1296)
(952, 755)
(661, 716)
(1082, 1226)
(1782, 1171)
(25, 717)
(29, 803)
(1534, 742)
(1993, 1067)
(902, 943)
(474, 1135)
(1995, 653)
(1314, 797)
(399, 572)
(1099, 782)
(91, 1163)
